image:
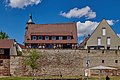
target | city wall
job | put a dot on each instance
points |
(66, 62)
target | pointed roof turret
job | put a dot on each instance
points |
(30, 20)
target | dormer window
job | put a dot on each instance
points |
(46, 37)
(40, 37)
(34, 38)
(53, 38)
(68, 37)
(103, 31)
(60, 38)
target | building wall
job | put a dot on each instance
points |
(114, 40)
(5, 67)
(68, 32)
(66, 62)
(13, 50)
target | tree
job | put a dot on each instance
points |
(3, 35)
(32, 60)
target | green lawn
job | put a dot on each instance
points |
(30, 78)
(16, 78)
(103, 78)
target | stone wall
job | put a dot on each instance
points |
(16, 66)
(5, 67)
(66, 62)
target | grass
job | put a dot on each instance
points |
(16, 78)
(51, 77)
(103, 78)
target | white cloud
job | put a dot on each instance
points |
(118, 35)
(78, 13)
(22, 3)
(87, 27)
(111, 22)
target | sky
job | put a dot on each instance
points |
(86, 13)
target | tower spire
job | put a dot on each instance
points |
(30, 20)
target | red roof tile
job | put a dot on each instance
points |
(22, 46)
(6, 43)
(60, 29)
(84, 42)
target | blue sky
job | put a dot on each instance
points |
(87, 13)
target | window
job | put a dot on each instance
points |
(108, 40)
(53, 38)
(46, 37)
(34, 45)
(99, 41)
(40, 37)
(103, 31)
(1, 62)
(60, 37)
(102, 61)
(34, 38)
(116, 61)
(68, 37)
(1, 51)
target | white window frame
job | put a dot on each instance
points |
(60, 38)
(68, 37)
(108, 41)
(40, 37)
(46, 37)
(103, 31)
(53, 37)
(34, 37)
(99, 41)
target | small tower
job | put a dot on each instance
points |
(30, 20)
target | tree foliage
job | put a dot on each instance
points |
(3, 35)
(32, 59)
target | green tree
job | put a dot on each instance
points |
(3, 35)
(32, 60)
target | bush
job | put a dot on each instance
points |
(19, 53)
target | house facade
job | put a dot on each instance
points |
(7, 48)
(59, 35)
(103, 37)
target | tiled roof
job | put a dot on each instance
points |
(58, 29)
(6, 43)
(63, 33)
(22, 46)
(84, 42)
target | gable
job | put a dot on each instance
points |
(103, 31)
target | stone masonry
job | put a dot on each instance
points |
(5, 67)
(55, 62)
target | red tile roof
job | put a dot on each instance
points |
(62, 33)
(22, 46)
(59, 29)
(6, 43)
(84, 42)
